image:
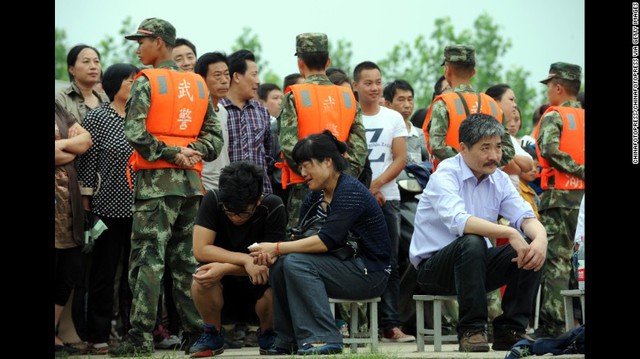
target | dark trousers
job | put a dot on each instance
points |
(68, 273)
(106, 255)
(468, 269)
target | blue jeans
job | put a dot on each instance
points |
(389, 316)
(468, 268)
(301, 285)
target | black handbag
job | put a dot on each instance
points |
(310, 225)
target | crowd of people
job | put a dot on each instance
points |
(229, 203)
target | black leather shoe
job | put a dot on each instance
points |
(504, 339)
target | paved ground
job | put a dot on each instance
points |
(386, 350)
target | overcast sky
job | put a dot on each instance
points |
(541, 31)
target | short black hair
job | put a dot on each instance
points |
(418, 117)
(465, 70)
(537, 113)
(339, 77)
(497, 91)
(319, 146)
(240, 185)
(391, 89)
(291, 79)
(114, 75)
(315, 60)
(437, 87)
(202, 65)
(364, 65)
(332, 70)
(264, 89)
(181, 41)
(238, 61)
(72, 56)
(572, 87)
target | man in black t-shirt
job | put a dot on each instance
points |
(229, 221)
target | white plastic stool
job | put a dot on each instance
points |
(353, 326)
(568, 295)
(436, 332)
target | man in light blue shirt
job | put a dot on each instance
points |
(457, 211)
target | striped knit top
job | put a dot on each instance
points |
(354, 208)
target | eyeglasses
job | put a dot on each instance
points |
(240, 215)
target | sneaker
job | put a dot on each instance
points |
(396, 335)
(474, 340)
(266, 340)
(211, 343)
(162, 339)
(274, 350)
(505, 339)
(187, 341)
(521, 349)
(320, 349)
(171, 342)
(239, 331)
(130, 347)
(251, 340)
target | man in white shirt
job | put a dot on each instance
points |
(386, 140)
(457, 211)
(214, 69)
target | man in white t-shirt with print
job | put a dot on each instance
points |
(386, 140)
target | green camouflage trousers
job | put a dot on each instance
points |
(297, 193)
(560, 224)
(162, 234)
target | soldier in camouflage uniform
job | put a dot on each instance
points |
(459, 66)
(166, 200)
(559, 207)
(313, 58)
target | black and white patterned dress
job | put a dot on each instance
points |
(103, 167)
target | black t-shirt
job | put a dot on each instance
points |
(268, 223)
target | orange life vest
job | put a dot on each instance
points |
(458, 107)
(319, 108)
(571, 142)
(179, 103)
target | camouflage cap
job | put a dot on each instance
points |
(311, 42)
(461, 54)
(563, 70)
(154, 27)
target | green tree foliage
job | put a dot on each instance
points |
(419, 62)
(61, 55)
(118, 49)
(250, 41)
(341, 53)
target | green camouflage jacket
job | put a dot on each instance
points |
(549, 143)
(156, 183)
(288, 124)
(439, 127)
